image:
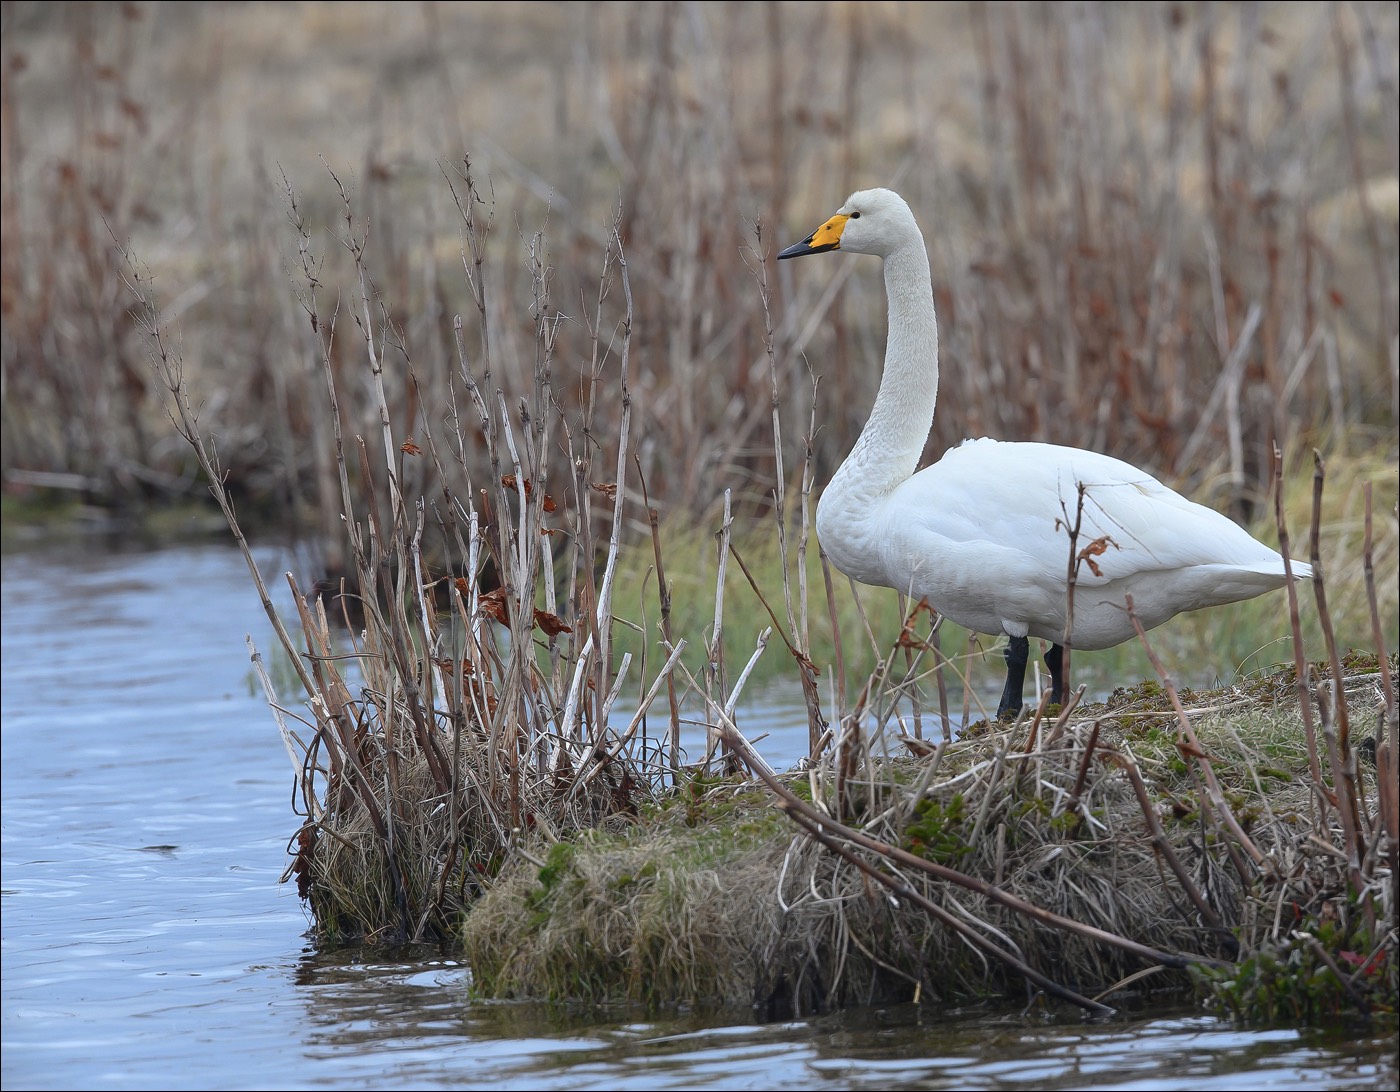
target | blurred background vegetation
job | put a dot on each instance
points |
(1166, 231)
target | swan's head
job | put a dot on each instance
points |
(870, 222)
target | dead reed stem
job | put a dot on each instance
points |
(820, 830)
(663, 591)
(1333, 713)
(1386, 830)
(1300, 666)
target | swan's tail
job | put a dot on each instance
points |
(1218, 585)
(1301, 569)
(1244, 581)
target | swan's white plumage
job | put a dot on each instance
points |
(976, 533)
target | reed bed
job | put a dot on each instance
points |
(1161, 231)
(460, 682)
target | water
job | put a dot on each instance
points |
(147, 943)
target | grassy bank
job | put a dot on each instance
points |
(1090, 855)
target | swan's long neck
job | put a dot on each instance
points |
(893, 438)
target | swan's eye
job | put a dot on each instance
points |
(855, 216)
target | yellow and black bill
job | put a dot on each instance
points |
(827, 237)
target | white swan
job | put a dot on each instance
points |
(976, 533)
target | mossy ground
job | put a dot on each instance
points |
(713, 899)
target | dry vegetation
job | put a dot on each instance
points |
(1162, 231)
(486, 380)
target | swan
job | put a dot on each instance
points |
(980, 534)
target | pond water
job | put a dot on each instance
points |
(147, 943)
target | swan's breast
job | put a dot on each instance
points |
(850, 534)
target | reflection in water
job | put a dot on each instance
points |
(147, 943)
(418, 1019)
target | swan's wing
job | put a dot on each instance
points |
(1024, 497)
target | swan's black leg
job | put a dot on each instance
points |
(1054, 662)
(1018, 651)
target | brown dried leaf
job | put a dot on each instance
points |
(494, 604)
(909, 639)
(1099, 546)
(552, 624)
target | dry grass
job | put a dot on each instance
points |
(1162, 232)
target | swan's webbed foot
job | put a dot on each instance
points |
(1018, 652)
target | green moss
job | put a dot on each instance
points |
(561, 856)
(1147, 690)
(938, 831)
